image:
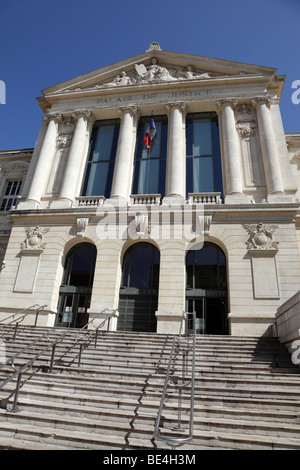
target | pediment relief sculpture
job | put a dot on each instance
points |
(261, 236)
(154, 73)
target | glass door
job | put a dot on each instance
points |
(73, 310)
(210, 315)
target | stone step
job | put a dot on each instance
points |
(140, 438)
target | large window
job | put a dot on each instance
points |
(139, 290)
(76, 288)
(12, 191)
(100, 164)
(203, 162)
(150, 163)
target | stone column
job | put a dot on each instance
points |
(232, 154)
(268, 147)
(44, 163)
(74, 161)
(124, 157)
(175, 184)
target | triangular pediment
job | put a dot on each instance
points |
(157, 66)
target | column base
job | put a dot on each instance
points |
(173, 200)
(236, 198)
(61, 203)
(28, 204)
(279, 197)
(116, 201)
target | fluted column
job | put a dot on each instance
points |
(44, 162)
(175, 184)
(124, 156)
(268, 147)
(74, 161)
(232, 153)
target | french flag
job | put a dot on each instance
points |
(150, 134)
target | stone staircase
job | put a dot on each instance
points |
(247, 394)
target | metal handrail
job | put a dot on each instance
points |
(18, 373)
(179, 346)
(23, 313)
(93, 335)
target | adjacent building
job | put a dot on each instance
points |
(159, 184)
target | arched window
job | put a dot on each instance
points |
(139, 288)
(206, 288)
(76, 288)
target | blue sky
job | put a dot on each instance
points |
(43, 43)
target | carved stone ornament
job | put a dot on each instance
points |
(154, 73)
(246, 124)
(81, 226)
(261, 237)
(246, 129)
(64, 138)
(141, 225)
(34, 239)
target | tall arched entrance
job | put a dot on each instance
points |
(206, 289)
(139, 288)
(76, 287)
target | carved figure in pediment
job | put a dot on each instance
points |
(188, 74)
(261, 236)
(120, 80)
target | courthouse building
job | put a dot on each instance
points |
(159, 184)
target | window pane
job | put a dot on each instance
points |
(100, 165)
(150, 164)
(203, 174)
(203, 162)
(202, 138)
(104, 142)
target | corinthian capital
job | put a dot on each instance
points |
(86, 113)
(262, 99)
(55, 116)
(233, 102)
(128, 109)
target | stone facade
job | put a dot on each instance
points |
(255, 221)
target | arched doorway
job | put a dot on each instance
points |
(139, 288)
(76, 287)
(206, 289)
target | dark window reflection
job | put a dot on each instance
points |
(80, 266)
(141, 267)
(206, 268)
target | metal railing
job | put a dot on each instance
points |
(82, 345)
(183, 345)
(23, 314)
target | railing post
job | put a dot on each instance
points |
(15, 403)
(15, 333)
(96, 338)
(52, 358)
(80, 352)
